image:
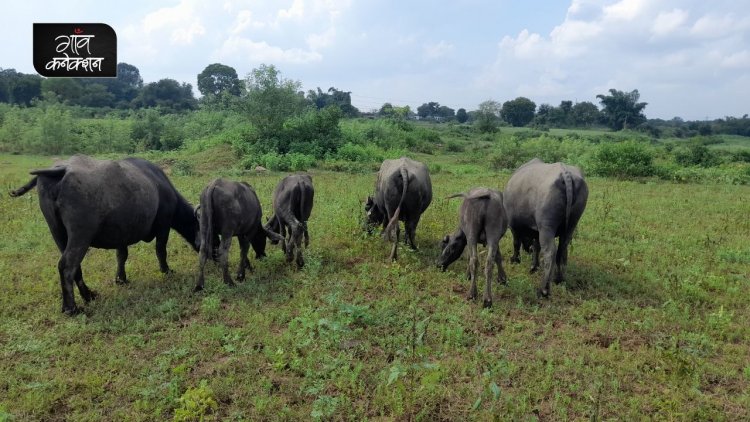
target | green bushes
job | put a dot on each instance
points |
(623, 159)
(280, 162)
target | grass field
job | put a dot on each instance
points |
(652, 324)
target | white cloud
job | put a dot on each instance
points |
(261, 51)
(668, 22)
(437, 50)
(180, 22)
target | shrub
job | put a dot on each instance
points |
(623, 159)
(196, 403)
(453, 146)
(696, 155)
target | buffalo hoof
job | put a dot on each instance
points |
(515, 260)
(542, 293)
(198, 288)
(92, 295)
(72, 311)
(229, 283)
(487, 304)
(502, 280)
(240, 277)
(121, 281)
(533, 270)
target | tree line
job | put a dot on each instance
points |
(220, 86)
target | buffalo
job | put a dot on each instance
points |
(108, 205)
(229, 209)
(403, 191)
(542, 202)
(292, 205)
(481, 220)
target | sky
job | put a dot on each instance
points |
(687, 58)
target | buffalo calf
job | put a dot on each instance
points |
(481, 220)
(292, 205)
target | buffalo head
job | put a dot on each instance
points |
(451, 247)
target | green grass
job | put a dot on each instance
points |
(652, 323)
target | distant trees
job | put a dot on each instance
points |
(335, 97)
(19, 88)
(461, 115)
(271, 99)
(584, 114)
(217, 78)
(518, 112)
(622, 109)
(488, 116)
(434, 110)
(166, 93)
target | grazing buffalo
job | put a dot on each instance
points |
(403, 191)
(292, 205)
(108, 205)
(229, 209)
(544, 201)
(481, 220)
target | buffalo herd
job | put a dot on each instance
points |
(114, 204)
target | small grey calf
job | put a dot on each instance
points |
(292, 206)
(481, 220)
(230, 209)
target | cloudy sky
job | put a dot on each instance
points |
(688, 58)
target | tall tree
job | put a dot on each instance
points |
(622, 109)
(461, 115)
(584, 114)
(217, 78)
(271, 99)
(428, 109)
(338, 98)
(518, 112)
(166, 93)
(487, 116)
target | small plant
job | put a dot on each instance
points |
(196, 403)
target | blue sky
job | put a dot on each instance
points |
(687, 58)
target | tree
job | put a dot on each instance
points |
(487, 116)
(19, 88)
(340, 99)
(584, 114)
(428, 109)
(166, 93)
(461, 115)
(217, 78)
(622, 109)
(518, 112)
(271, 99)
(65, 90)
(96, 95)
(446, 112)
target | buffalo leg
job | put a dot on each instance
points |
(410, 227)
(516, 258)
(298, 235)
(87, 294)
(307, 235)
(492, 253)
(122, 256)
(244, 261)
(501, 276)
(536, 247)
(473, 266)
(562, 258)
(549, 250)
(226, 242)
(202, 258)
(394, 248)
(68, 266)
(161, 251)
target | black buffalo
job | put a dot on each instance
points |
(544, 201)
(108, 205)
(229, 209)
(292, 205)
(481, 219)
(403, 191)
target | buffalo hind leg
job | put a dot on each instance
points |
(492, 254)
(549, 251)
(87, 294)
(516, 258)
(473, 266)
(68, 267)
(410, 227)
(562, 259)
(202, 257)
(394, 249)
(226, 242)
(161, 251)
(536, 247)
(298, 246)
(502, 277)
(122, 256)
(244, 261)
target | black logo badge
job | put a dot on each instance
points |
(86, 50)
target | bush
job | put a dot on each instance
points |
(624, 159)
(696, 155)
(454, 146)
